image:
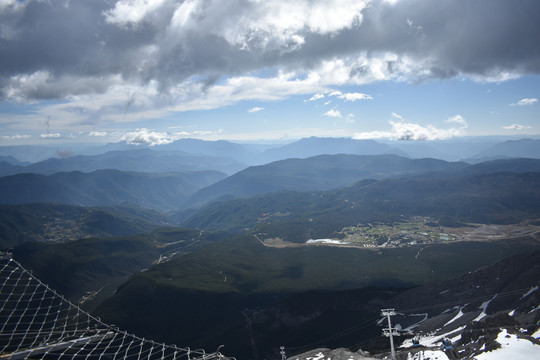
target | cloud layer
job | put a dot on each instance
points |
(127, 60)
(403, 130)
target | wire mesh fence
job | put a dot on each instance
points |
(38, 323)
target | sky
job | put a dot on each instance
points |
(154, 71)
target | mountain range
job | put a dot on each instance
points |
(322, 172)
(471, 149)
(170, 191)
(164, 191)
(500, 197)
(139, 160)
(204, 243)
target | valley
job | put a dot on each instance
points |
(293, 252)
(269, 180)
(416, 231)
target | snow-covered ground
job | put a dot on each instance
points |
(533, 289)
(434, 340)
(428, 355)
(483, 307)
(512, 348)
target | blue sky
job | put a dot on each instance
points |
(155, 71)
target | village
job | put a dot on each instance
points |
(415, 231)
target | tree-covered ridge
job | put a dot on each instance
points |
(485, 198)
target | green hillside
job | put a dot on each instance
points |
(163, 191)
(323, 172)
(84, 265)
(486, 198)
(204, 297)
(58, 223)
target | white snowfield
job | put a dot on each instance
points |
(434, 340)
(428, 355)
(512, 348)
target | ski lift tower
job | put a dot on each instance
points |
(390, 331)
(282, 352)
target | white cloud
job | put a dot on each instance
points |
(397, 116)
(351, 96)
(127, 12)
(281, 24)
(316, 97)
(146, 137)
(526, 101)
(356, 96)
(255, 109)
(333, 113)
(15, 137)
(12, 5)
(402, 130)
(516, 127)
(98, 133)
(457, 119)
(50, 136)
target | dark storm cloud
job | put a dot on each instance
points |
(58, 48)
(478, 38)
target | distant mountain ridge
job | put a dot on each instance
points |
(139, 160)
(525, 148)
(165, 191)
(314, 146)
(317, 173)
(469, 149)
(481, 198)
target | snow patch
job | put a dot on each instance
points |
(486, 303)
(483, 307)
(533, 289)
(433, 340)
(458, 315)
(411, 327)
(452, 309)
(513, 348)
(428, 355)
(481, 316)
(318, 356)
